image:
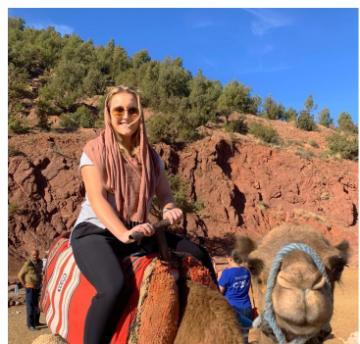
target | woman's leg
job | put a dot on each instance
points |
(179, 243)
(96, 256)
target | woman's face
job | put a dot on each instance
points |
(123, 111)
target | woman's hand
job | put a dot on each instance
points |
(145, 228)
(173, 215)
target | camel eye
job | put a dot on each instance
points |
(255, 266)
(336, 268)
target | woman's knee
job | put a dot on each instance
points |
(111, 292)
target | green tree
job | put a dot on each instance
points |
(306, 121)
(161, 128)
(346, 123)
(69, 121)
(172, 84)
(17, 81)
(112, 61)
(68, 77)
(140, 58)
(309, 104)
(171, 128)
(33, 50)
(203, 98)
(95, 82)
(254, 105)
(291, 114)
(148, 84)
(16, 24)
(273, 110)
(324, 118)
(84, 117)
(234, 97)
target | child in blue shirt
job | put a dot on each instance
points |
(234, 283)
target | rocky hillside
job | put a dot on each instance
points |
(243, 186)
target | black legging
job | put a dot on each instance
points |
(98, 254)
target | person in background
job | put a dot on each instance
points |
(30, 276)
(234, 284)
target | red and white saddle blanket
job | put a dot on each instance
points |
(152, 308)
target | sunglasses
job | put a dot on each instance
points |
(120, 111)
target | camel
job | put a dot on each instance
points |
(302, 297)
(171, 302)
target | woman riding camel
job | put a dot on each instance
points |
(121, 173)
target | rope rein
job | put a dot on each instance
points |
(268, 315)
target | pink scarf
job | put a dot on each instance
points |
(105, 153)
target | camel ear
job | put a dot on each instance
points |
(344, 249)
(338, 262)
(244, 245)
(255, 265)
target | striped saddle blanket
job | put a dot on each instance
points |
(67, 294)
(151, 313)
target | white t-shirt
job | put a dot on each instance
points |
(87, 214)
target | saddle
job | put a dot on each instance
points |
(152, 310)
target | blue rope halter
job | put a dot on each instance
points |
(268, 314)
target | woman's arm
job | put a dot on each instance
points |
(96, 193)
(167, 203)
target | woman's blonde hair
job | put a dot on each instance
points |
(136, 138)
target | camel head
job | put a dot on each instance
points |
(302, 297)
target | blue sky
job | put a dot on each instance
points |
(286, 53)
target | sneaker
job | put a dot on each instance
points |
(32, 328)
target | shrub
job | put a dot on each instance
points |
(273, 110)
(68, 121)
(17, 126)
(292, 142)
(99, 123)
(179, 189)
(324, 118)
(305, 121)
(234, 97)
(314, 144)
(346, 124)
(305, 154)
(291, 114)
(265, 133)
(12, 209)
(84, 117)
(345, 145)
(238, 126)
(171, 128)
(12, 151)
(160, 129)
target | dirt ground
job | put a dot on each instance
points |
(346, 316)
(344, 322)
